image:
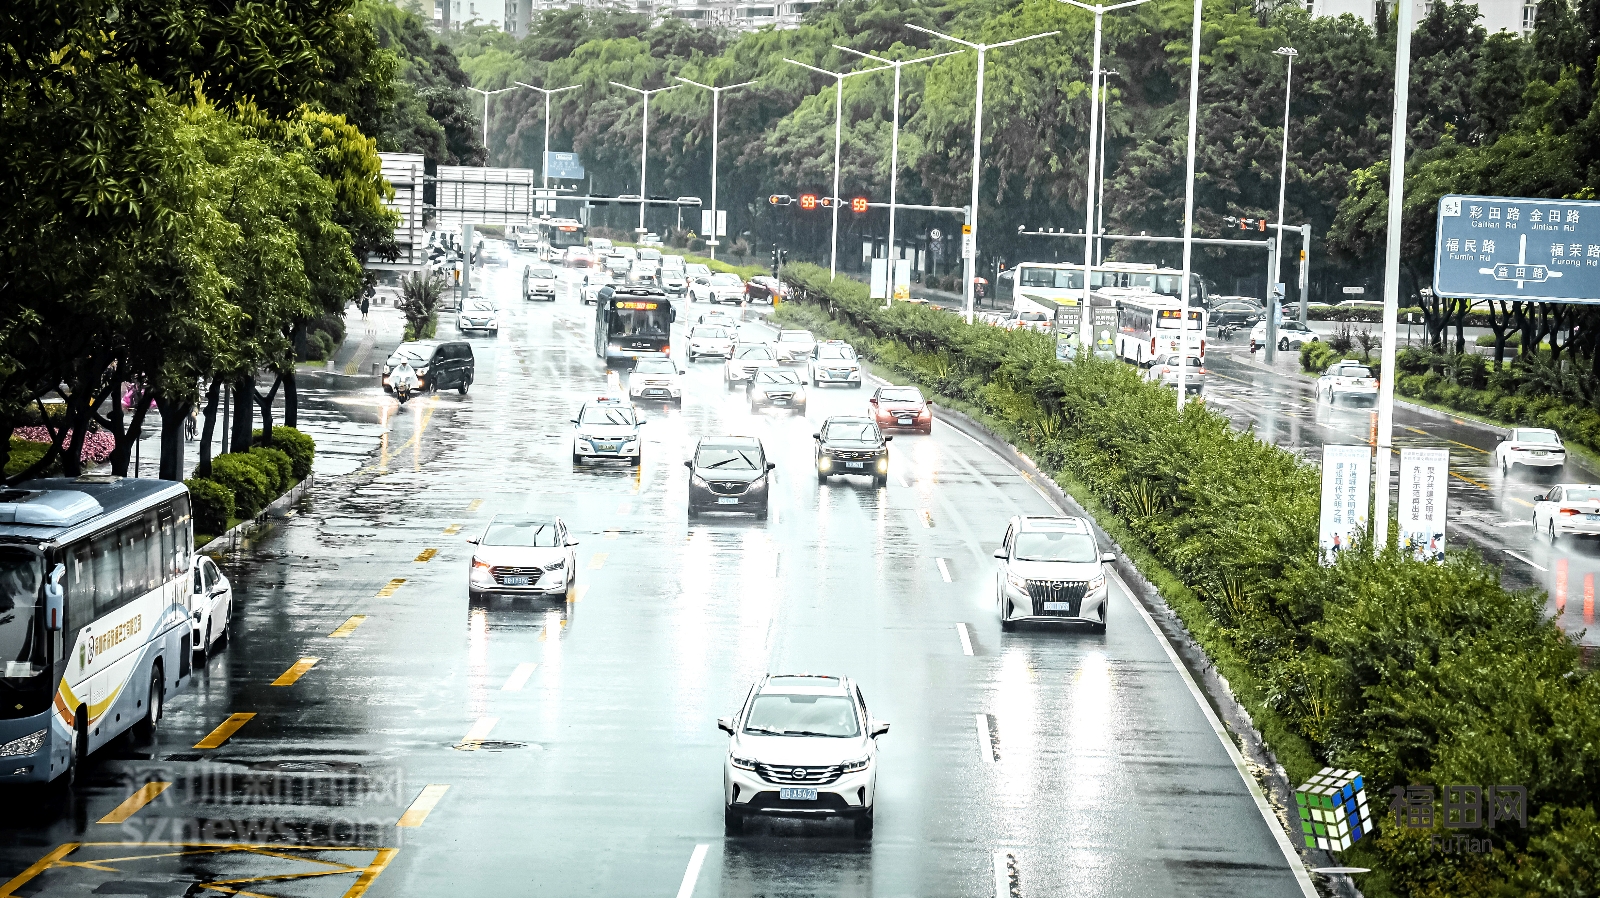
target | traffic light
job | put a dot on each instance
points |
(858, 205)
(781, 199)
(808, 201)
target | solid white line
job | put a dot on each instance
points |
(966, 640)
(519, 677)
(686, 888)
(985, 741)
(1002, 876)
(1274, 825)
(943, 570)
(1526, 561)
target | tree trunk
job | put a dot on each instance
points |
(1462, 305)
(174, 415)
(291, 400)
(213, 397)
(1500, 323)
(127, 435)
(266, 409)
(244, 389)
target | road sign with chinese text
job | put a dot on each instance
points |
(566, 166)
(1495, 247)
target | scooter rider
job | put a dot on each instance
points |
(403, 379)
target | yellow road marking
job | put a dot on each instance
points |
(519, 677)
(452, 530)
(225, 730)
(1481, 486)
(389, 588)
(427, 554)
(583, 590)
(474, 505)
(597, 561)
(133, 803)
(348, 627)
(39, 866)
(613, 534)
(1521, 501)
(295, 671)
(1448, 440)
(57, 858)
(418, 812)
(479, 732)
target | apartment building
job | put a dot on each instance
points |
(1494, 15)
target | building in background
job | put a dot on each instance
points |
(1494, 15)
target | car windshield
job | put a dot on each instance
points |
(530, 534)
(655, 366)
(1056, 545)
(709, 333)
(606, 414)
(835, 352)
(21, 642)
(900, 395)
(726, 280)
(778, 377)
(411, 355)
(755, 352)
(1354, 371)
(1537, 436)
(803, 715)
(481, 305)
(650, 255)
(859, 431)
(793, 337)
(1173, 361)
(1580, 494)
(728, 458)
(541, 273)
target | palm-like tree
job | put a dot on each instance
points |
(419, 296)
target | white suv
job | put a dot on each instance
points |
(1050, 569)
(607, 427)
(801, 746)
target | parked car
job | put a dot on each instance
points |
(1530, 447)
(439, 365)
(522, 555)
(1291, 335)
(211, 609)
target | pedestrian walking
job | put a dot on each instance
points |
(366, 304)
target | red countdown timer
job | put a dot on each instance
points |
(808, 201)
(858, 205)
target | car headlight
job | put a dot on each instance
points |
(1016, 582)
(883, 465)
(741, 763)
(423, 370)
(1098, 583)
(699, 481)
(27, 745)
(824, 462)
(560, 565)
(856, 766)
(630, 438)
(482, 571)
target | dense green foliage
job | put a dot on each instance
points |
(1407, 671)
(430, 110)
(212, 504)
(300, 449)
(242, 476)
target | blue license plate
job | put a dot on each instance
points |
(904, 422)
(797, 794)
(855, 464)
(727, 500)
(515, 581)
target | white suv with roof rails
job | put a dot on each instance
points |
(1051, 570)
(801, 746)
(607, 427)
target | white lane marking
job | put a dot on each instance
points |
(1515, 524)
(966, 640)
(904, 482)
(1274, 825)
(985, 741)
(519, 677)
(943, 570)
(1002, 874)
(690, 875)
(1527, 562)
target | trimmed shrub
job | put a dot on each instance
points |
(300, 448)
(25, 454)
(243, 476)
(212, 504)
(275, 464)
(1316, 356)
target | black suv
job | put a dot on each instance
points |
(439, 365)
(852, 446)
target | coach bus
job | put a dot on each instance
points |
(557, 234)
(630, 321)
(1148, 328)
(94, 616)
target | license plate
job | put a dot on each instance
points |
(515, 581)
(1538, 452)
(655, 392)
(605, 447)
(727, 500)
(1057, 606)
(905, 422)
(780, 402)
(855, 464)
(797, 794)
(1591, 517)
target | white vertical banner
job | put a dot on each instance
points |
(705, 223)
(902, 279)
(722, 222)
(880, 279)
(1346, 497)
(1424, 486)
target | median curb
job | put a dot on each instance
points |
(242, 535)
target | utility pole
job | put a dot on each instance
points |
(644, 146)
(716, 96)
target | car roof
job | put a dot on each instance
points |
(1053, 524)
(846, 419)
(1534, 430)
(806, 684)
(609, 401)
(524, 519)
(730, 441)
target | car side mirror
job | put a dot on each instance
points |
(574, 420)
(1538, 497)
(1001, 554)
(817, 435)
(771, 465)
(473, 540)
(571, 541)
(888, 439)
(879, 728)
(55, 600)
(218, 591)
(1108, 557)
(725, 724)
(688, 464)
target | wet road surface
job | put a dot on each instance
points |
(367, 730)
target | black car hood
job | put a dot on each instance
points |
(855, 445)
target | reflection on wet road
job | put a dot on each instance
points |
(367, 730)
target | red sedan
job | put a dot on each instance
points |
(901, 408)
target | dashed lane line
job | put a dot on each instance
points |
(427, 554)
(691, 874)
(295, 671)
(479, 732)
(135, 802)
(966, 638)
(1466, 479)
(519, 677)
(474, 505)
(452, 530)
(348, 627)
(944, 570)
(598, 560)
(985, 740)
(1527, 562)
(424, 805)
(390, 587)
(225, 730)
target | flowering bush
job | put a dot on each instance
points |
(97, 444)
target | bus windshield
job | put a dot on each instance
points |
(21, 645)
(563, 236)
(650, 319)
(1168, 319)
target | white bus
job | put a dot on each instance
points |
(94, 616)
(1021, 287)
(1148, 328)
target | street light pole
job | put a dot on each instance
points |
(545, 159)
(1391, 275)
(1274, 306)
(970, 241)
(716, 96)
(1100, 192)
(644, 145)
(838, 123)
(1188, 212)
(486, 95)
(1086, 318)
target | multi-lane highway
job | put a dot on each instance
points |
(367, 730)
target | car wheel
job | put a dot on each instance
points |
(863, 827)
(880, 481)
(461, 388)
(638, 460)
(693, 512)
(732, 822)
(577, 459)
(1553, 537)
(762, 514)
(691, 358)
(1505, 467)
(1105, 616)
(202, 649)
(146, 727)
(1283, 344)
(80, 750)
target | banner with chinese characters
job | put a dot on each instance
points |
(1496, 247)
(1423, 490)
(1346, 497)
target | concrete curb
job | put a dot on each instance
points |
(242, 535)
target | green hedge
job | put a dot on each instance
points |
(1317, 355)
(301, 449)
(1412, 673)
(274, 463)
(212, 504)
(25, 454)
(242, 475)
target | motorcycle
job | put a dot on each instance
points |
(402, 392)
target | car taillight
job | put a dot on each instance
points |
(925, 413)
(1569, 511)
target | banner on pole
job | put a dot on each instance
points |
(902, 279)
(705, 223)
(880, 279)
(1346, 497)
(1423, 490)
(722, 222)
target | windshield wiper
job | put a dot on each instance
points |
(813, 733)
(752, 728)
(726, 461)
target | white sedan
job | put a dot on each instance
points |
(709, 339)
(1568, 508)
(211, 608)
(745, 360)
(1530, 447)
(480, 315)
(522, 555)
(593, 282)
(718, 288)
(1291, 335)
(1348, 380)
(658, 380)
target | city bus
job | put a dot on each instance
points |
(1147, 328)
(630, 321)
(1061, 283)
(94, 616)
(557, 234)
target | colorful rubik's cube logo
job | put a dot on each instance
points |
(1333, 809)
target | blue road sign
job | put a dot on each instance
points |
(565, 166)
(1496, 247)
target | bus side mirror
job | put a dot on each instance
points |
(55, 600)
